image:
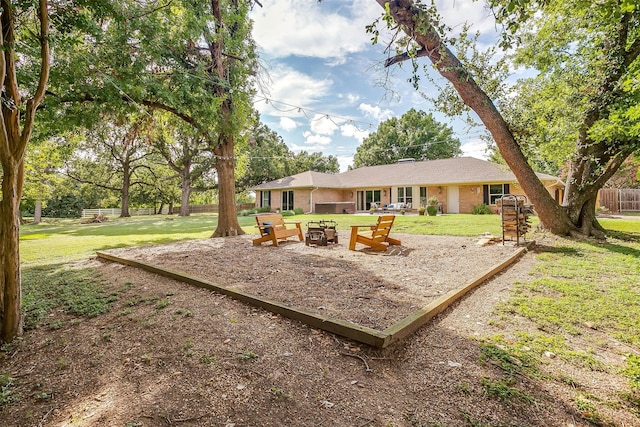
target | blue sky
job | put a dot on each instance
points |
(320, 84)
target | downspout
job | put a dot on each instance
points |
(311, 200)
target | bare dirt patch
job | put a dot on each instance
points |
(372, 289)
(170, 354)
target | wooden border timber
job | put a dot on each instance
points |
(340, 327)
(415, 320)
(373, 337)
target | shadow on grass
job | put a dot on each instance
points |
(56, 286)
(156, 226)
(620, 249)
(625, 236)
(568, 250)
(632, 238)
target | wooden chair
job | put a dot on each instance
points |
(273, 228)
(377, 237)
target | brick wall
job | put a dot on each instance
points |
(470, 196)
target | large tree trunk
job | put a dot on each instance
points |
(10, 294)
(228, 224)
(587, 176)
(186, 192)
(124, 192)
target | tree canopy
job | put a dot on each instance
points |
(589, 51)
(417, 135)
(266, 158)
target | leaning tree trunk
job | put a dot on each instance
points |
(418, 26)
(594, 162)
(576, 217)
(10, 294)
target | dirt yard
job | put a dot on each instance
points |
(171, 354)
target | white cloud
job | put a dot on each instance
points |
(322, 125)
(375, 112)
(315, 142)
(456, 13)
(351, 98)
(290, 87)
(344, 162)
(313, 29)
(475, 148)
(288, 124)
(353, 131)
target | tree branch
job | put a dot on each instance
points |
(406, 56)
(86, 181)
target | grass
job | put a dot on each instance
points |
(503, 391)
(65, 240)
(56, 286)
(582, 295)
(7, 395)
(585, 285)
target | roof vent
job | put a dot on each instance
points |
(409, 160)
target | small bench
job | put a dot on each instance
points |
(273, 228)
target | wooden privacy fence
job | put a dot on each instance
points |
(212, 208)
(620, 200)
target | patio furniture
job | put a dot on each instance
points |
(273, 228)
(377, 235)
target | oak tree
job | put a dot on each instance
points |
(417, 135)
(600, 39)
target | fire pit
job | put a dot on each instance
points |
(321, 232)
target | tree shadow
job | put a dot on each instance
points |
(568, 250)
(624, 236)
(631, 238)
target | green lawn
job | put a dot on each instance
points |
(64, 240)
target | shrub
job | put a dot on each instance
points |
(482, 209)
(264, 209)
(433, 201)
(247, 212)
(63, 206)
(298, 211)
(287, 213)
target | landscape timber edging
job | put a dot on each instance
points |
(372, 337)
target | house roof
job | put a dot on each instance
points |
(458, 170)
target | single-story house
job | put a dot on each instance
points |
(459, 184)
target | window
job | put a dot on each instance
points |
(405, 195)
(266, 199)
(423, 196)
(493, 192)
(287, 200)
(366, 198)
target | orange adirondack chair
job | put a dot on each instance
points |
(273, 228)
(377, 237)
